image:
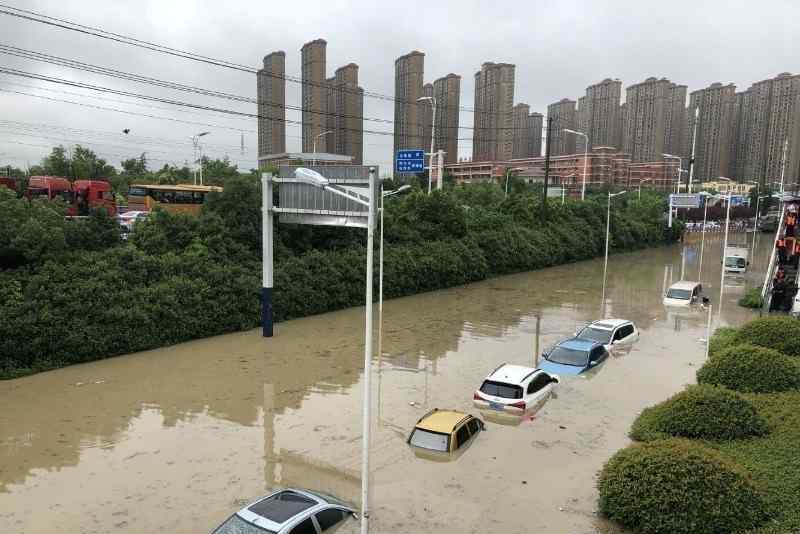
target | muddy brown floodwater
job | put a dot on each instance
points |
(175, 439)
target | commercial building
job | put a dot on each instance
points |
(564, 115)
(493, 137)
(409, 75)
(447, 91)
(314, 95)
(715, 105)
(271, 104)
(601, 113)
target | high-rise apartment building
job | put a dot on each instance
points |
(564, 115)
(271, 98)
(784, 130)
(493, 136)
(521, 132)
(409, 73)
(427, 117)
(654, 119)
(447, 91)
(601, 113)
(675, 120)
(714, 129)
(347, 110)
(535, 124)
(741, 134)
(621, 122)
(582, 114)
(314, 95)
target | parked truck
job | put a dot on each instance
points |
(736, 258)
(81, 196)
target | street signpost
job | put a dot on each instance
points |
(410, 161)
(682, 201)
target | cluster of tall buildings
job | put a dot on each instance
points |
(749, 135)
(332, 107)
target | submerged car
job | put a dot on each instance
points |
(289, 511)
(444, 431)
(683, 293)
(514, 389)
(609, 332)
(573, 356)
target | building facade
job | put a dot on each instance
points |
(564, 115)
(602, 124)
(447, 91)
(314, 95)
(714, 116)
(427, 118)
(521, 131)
(271, 106)
(783, 136)
(493, 135)
(675, 121)
(346, 108)
(409, 73)
(646, 109)
(535, 124)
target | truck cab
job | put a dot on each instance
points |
(92, 194)
(49, 187)
(735, 260)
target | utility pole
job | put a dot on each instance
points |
(547, 165)
(694, 144)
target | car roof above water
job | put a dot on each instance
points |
(684, 285)
(579, 344)
(512, 374)
(443, 421)
(608, 324)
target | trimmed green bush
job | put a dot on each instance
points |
(702, 411)
(751, 369)
(751, 298)
(722, 338)
(678, 486)
(777, 332)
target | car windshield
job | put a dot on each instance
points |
(237, 525)
(426, 439)
(499, 389)
(567, 356)
(595, 334)
(680, 294)
(733, 261)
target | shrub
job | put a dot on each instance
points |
(702, 411)
(678, 486)
(751, 369)
(779, 333)
(751, 298)
(723, 338)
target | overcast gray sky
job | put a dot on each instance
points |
(559, 47)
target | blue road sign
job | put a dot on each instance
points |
(410, 161)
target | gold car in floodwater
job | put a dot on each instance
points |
(439, 434)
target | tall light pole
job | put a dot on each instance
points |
(314, 178)
(432, 100)
(724, 242)
(783, 171)
(314, 144)
(196, 142)
(605, 263)
(694, 145)
(585, 157)
(680, 168)
(640, 186)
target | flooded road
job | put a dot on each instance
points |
(175, 439)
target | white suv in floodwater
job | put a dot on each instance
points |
(683, 293)
(514, 389)
(610, 332)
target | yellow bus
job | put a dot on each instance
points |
(172, 198)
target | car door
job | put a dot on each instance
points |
(306, 526)
(625, 334)
(330, 519)
(461, 436)
(538, 390)
(597, 355)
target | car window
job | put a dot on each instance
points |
(426, 439)
(329, 518)
(619, 334)
(305, 527)
(462, 436)
(539, 382)
(237, 525)
(628, 330)
(474, 426)
(499, 389)
(597, 353)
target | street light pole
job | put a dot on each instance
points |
(432, 100)
(680, 168)
(196, 143)
(694, 144)
(314, 144)
(783, 170)
(640, 186)
(605, 262)
(585, 157)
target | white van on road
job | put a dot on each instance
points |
(683, 293)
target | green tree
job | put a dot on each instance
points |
(218, 171)
(57, 163)
(30, 231)
(135, 166)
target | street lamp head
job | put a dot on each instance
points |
(723, 178)
(403, 188)
(201, 134)
(310, 177)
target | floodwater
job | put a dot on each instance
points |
(175, 439)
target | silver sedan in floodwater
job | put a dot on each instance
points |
(289, 511)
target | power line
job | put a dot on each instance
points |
(163, 49)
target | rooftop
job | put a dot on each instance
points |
(685, 284)
(441, 421)
(511, 374)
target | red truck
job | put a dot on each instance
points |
(8, 182)
(80, 195)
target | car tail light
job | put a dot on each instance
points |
(476, 396)
(520, 405)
